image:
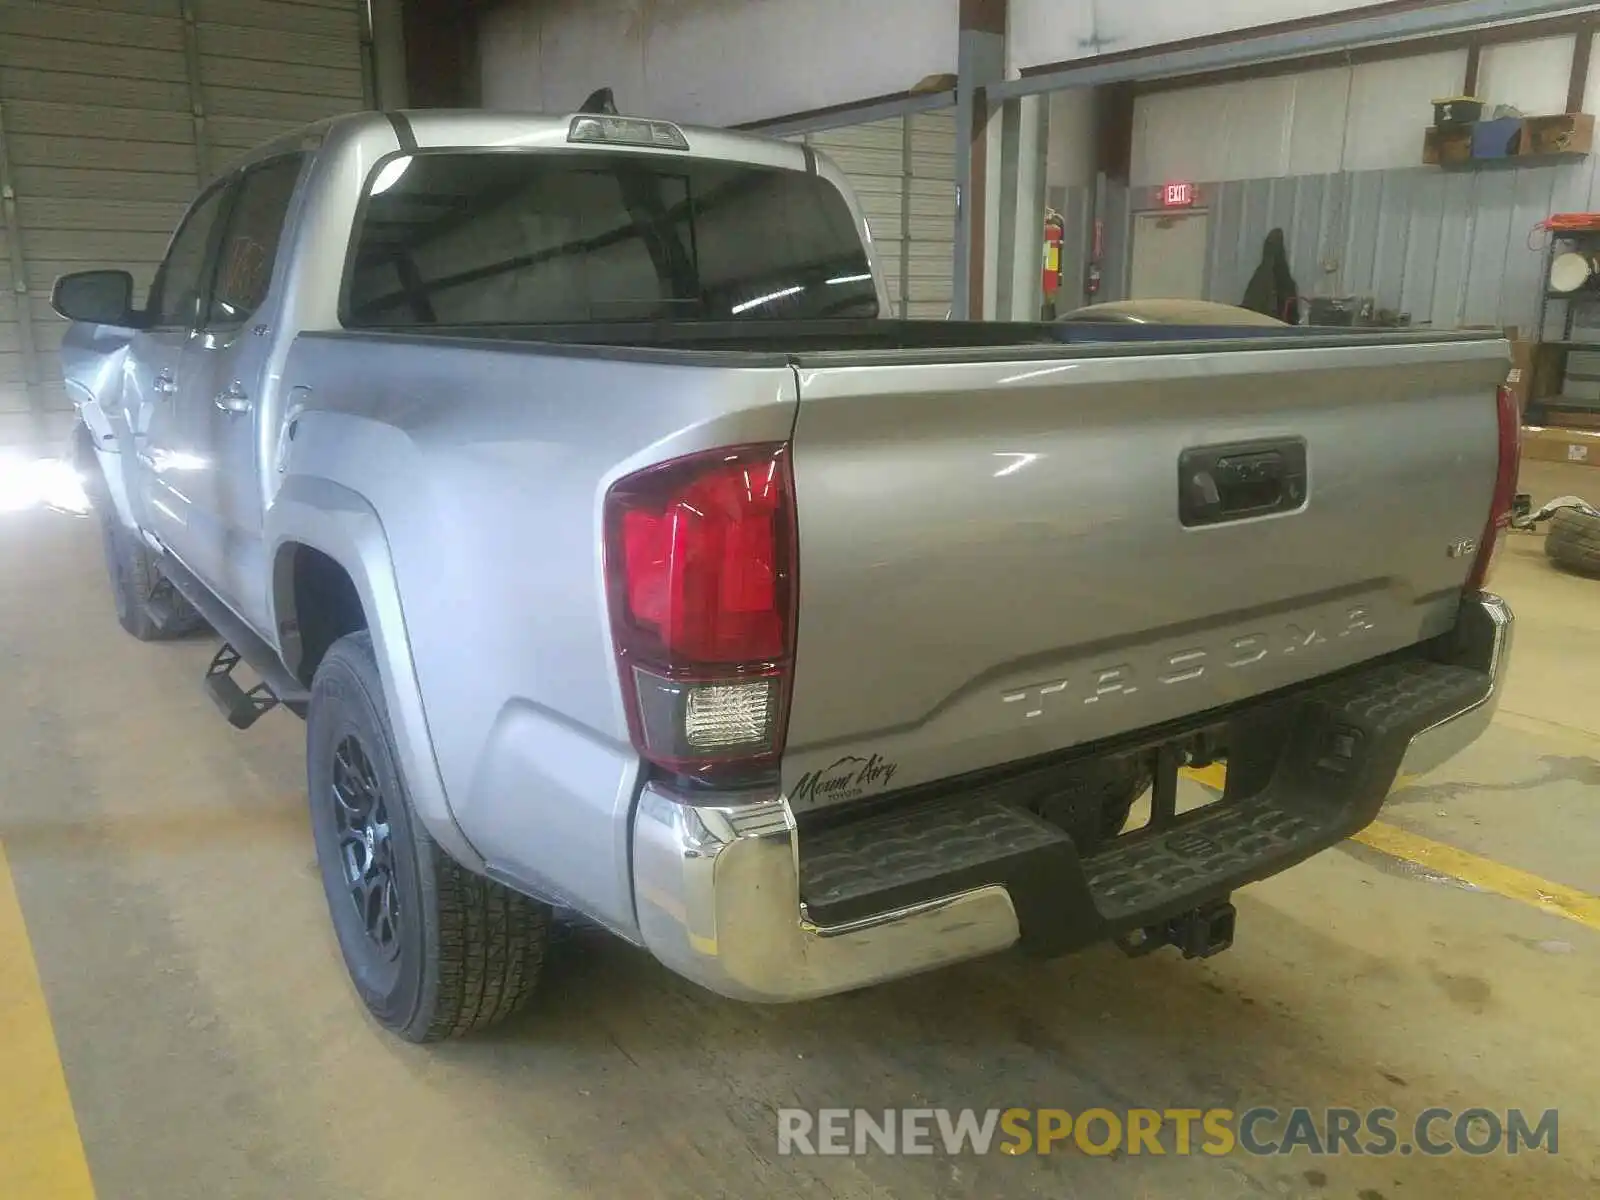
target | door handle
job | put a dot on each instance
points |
(165, 384)
(234, 400)
(1218, 484)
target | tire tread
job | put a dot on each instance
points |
(151, 609)
(1573, 542)
(491, 950)
(489, 941)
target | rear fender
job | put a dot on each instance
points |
(331, 518)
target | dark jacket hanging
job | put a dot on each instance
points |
(1272, 289)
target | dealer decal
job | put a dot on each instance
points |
(844, 779)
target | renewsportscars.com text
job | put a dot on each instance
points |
(1260, 1131)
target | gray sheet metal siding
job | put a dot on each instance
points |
(1449, 247)
(116, 111)
(903, 171)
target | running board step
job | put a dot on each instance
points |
(242, 643)
(242, 708)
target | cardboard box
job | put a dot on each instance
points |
(1536, 376)
(1520, 377)
(1574, 418)
(1550, 444)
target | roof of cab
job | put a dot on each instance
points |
(433, 129)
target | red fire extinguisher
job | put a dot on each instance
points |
(1055, 229)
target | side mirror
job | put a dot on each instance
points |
(95, 297)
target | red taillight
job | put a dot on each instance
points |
(700, 569)
(1505, 490)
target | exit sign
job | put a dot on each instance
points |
(1177, 195)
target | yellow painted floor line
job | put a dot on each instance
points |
(1213, 777)
(41, 1154)
(1485, 873)
(1480, 872)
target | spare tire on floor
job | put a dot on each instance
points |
(1574, 541)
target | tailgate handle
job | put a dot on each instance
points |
(1234, 482)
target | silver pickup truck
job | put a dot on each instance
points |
(625, 560)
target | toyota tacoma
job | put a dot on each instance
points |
(625, 558)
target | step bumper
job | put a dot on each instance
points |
(728, 896)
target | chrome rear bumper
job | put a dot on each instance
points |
(717, 884)
(718, 893)
(1485, 634)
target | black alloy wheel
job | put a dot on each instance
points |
(366, 846)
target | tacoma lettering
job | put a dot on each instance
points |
(1182, 666)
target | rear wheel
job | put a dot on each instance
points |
(1574, 541)
(147, 604)
(434, 950)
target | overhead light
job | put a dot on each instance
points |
(391, 174)
(837, 279)
(767, 299)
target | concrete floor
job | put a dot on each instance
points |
(214, 1049)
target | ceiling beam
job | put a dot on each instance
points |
(1344, 32)
(1472, 41)
(857, 112)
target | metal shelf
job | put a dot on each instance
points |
(1574, 311)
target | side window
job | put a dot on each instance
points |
(250, 244)
(181, 283)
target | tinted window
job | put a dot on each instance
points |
(474, 238)
(250, 245)
(180, 284)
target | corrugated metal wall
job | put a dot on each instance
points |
(1449, 247)
(903, 171)
(1332, 157)
(114, 112)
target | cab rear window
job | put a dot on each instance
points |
(517, 238)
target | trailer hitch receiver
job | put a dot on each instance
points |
(1198, 933)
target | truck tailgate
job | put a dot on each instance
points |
(1004, 559)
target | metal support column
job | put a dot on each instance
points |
(1004, 202)
(12, 223)
(386, 28)
(203, 167)
(980, 64)
(1019, 253)
(369, 54)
